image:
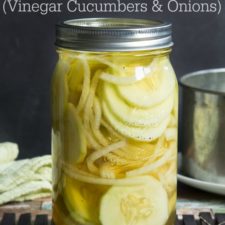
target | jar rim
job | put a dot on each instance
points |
(113, 34)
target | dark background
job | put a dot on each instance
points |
(27, 59)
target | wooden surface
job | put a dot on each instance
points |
(210, 210)
(31, 207)
(26, 219)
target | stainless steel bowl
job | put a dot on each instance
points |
(203, 125)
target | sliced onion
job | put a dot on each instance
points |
(92, 134)
(98, 59)
(77, 175)
(153, 166)
(98, 113)
(86, 86)
(140, 74)
(100, 153)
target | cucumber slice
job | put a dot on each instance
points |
(153, 89)
(75, 75)
(139, 204)
(82, 201)
(136, 116)
(147, 134)
(75, 146)
(60, 93)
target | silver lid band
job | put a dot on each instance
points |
(113, 34)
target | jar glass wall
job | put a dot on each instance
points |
(114, 138)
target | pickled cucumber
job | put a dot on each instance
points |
(81, 199)
(75, 147)
(139, 204)
(147, 133)
(136, 116)
(116, 120)
(152, 90)
(60, 92)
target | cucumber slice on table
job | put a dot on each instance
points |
(143, 204)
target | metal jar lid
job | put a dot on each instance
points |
(113, 34)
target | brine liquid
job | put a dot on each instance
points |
(114, 139)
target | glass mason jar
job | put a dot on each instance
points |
(114, 123)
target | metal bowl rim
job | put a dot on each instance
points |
(197, 73)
